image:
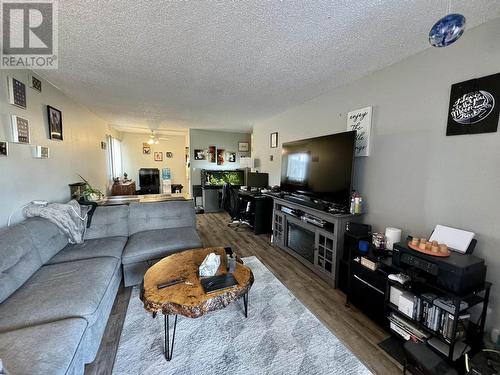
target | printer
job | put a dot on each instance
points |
(458, 273)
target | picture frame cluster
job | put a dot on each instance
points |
(219, 155)
(19, 122)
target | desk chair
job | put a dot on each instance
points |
(233, 204)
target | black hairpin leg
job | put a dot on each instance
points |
(245, 302)
(169, 349)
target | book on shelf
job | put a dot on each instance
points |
(433, 312)
(410, 328)
(410, 305)
(400, 331)
(449, 305)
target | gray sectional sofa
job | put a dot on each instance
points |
(55, 298)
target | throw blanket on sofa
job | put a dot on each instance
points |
(71, 218)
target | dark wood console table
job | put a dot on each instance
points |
(123, 188)
(318, 248)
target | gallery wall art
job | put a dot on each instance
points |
(158, 156)
(474, 106)
(4, 148)
(243, 147)
(17, 92)
(212, 154)
(360, 120)
(35, 83)
(199, 154)
(55, 123)
(20, 130)
(220, 156)
(274, 140)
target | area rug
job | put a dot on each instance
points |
(280, 336)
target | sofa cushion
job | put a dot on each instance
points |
(161, 215)
(108, 221)
(46, 236)
(19, 259)
(42, 349)
(152, 244)
(100, 247)
(59, 291)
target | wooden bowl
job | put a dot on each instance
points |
(430, 248)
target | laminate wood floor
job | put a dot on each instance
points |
(357, 332)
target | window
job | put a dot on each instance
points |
(296, 170)
(115, 157)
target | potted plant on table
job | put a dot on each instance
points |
(90, 193)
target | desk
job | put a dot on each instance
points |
(261, 210)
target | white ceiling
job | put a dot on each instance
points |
(230, 64)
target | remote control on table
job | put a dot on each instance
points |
(170, 283)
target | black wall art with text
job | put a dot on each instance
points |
(474, 106)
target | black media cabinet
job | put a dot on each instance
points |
(450, 336)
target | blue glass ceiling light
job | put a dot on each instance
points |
(447, 30)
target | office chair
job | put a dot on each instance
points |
(233, 204)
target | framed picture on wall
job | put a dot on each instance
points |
(17, 92)
(212, 154)
(274, 140)
(243, 147)
(220, 156)
(35, 83)
(20, 130)
(55, 123)
(146, 148)
(169, 155)
(231, 157)
(474, 106)
(158, 156)
(4, 148)
(199, 154)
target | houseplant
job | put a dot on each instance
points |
(90, 193)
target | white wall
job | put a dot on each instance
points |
(202, 139)
(415, 177)
(25, 178)
(134, 159)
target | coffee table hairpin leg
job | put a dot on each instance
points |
(169, 349)
(245, 303)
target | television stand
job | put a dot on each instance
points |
(314, 236)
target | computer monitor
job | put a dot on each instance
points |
(257, 180)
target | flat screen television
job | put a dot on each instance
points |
(320, 168)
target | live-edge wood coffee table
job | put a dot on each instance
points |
(189, 299)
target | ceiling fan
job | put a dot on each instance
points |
(155, 139)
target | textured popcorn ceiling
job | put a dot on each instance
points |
(229, 64)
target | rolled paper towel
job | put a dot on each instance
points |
(392, 236)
